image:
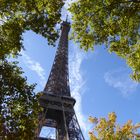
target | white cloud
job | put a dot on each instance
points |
(77, 86)
(120, 80)
(34, 66)
(65, 10)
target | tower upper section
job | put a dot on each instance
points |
(58, 81)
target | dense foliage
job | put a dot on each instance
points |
(10, 39)
(16, 16)
(18, 104)
(107, 129)
(115, 23)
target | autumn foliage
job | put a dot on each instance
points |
(108, 129)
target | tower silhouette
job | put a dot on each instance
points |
(58, 105)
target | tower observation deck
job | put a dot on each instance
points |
(56, 99)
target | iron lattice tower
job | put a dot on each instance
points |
(56, 98)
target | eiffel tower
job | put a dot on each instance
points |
(56, 99)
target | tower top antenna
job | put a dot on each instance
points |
(66, 18)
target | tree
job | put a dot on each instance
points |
(17, 16)
(115, 23)
(10, 39)
(18, 104)
(107, 129)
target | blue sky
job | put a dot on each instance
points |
(99, 81)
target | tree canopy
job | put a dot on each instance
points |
(18, 104)
(16, 16)
(114, 23)
(108, 129)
